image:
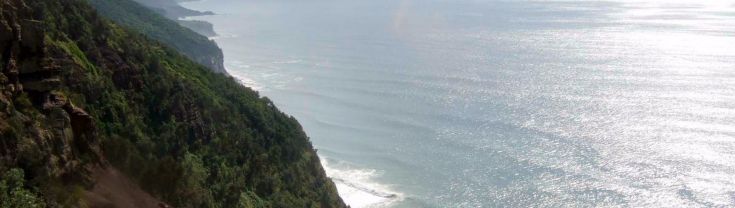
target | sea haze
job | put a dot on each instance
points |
(485, 103)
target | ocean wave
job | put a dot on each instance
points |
(223, 36)
(365, 189)
(290, 61)
(242, 78)
(357, 188)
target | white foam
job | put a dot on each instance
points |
(291, 61)
(223, 36)
(241, 76)
(357, 188)
(246, 81)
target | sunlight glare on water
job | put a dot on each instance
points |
(501, 103)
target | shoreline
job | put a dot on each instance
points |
(355, 186)
(202, 27)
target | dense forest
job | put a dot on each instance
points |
(81, 96)
(171, 8)
(141, 19)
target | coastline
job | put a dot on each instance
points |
(202, 27)
(172, 9)
(355, 186)
(455, 132)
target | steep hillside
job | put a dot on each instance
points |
(141, 19)
(81, 97)
(171, 8)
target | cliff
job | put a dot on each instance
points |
(172, 10)
(144, 20)
(81, 98)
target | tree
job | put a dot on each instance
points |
(13, 193)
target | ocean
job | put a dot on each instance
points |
(500, 103)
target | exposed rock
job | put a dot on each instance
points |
(32, 35)
(44, 85)
(39, 127)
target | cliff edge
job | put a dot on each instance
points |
(87, 105)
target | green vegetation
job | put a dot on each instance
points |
(171, 8)
(187, 135)
(141, 19)
(13, 194)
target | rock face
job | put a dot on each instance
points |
(39, 127)
(41, 130)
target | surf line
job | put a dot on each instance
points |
(365, 189)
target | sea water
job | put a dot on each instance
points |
(500, 103)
